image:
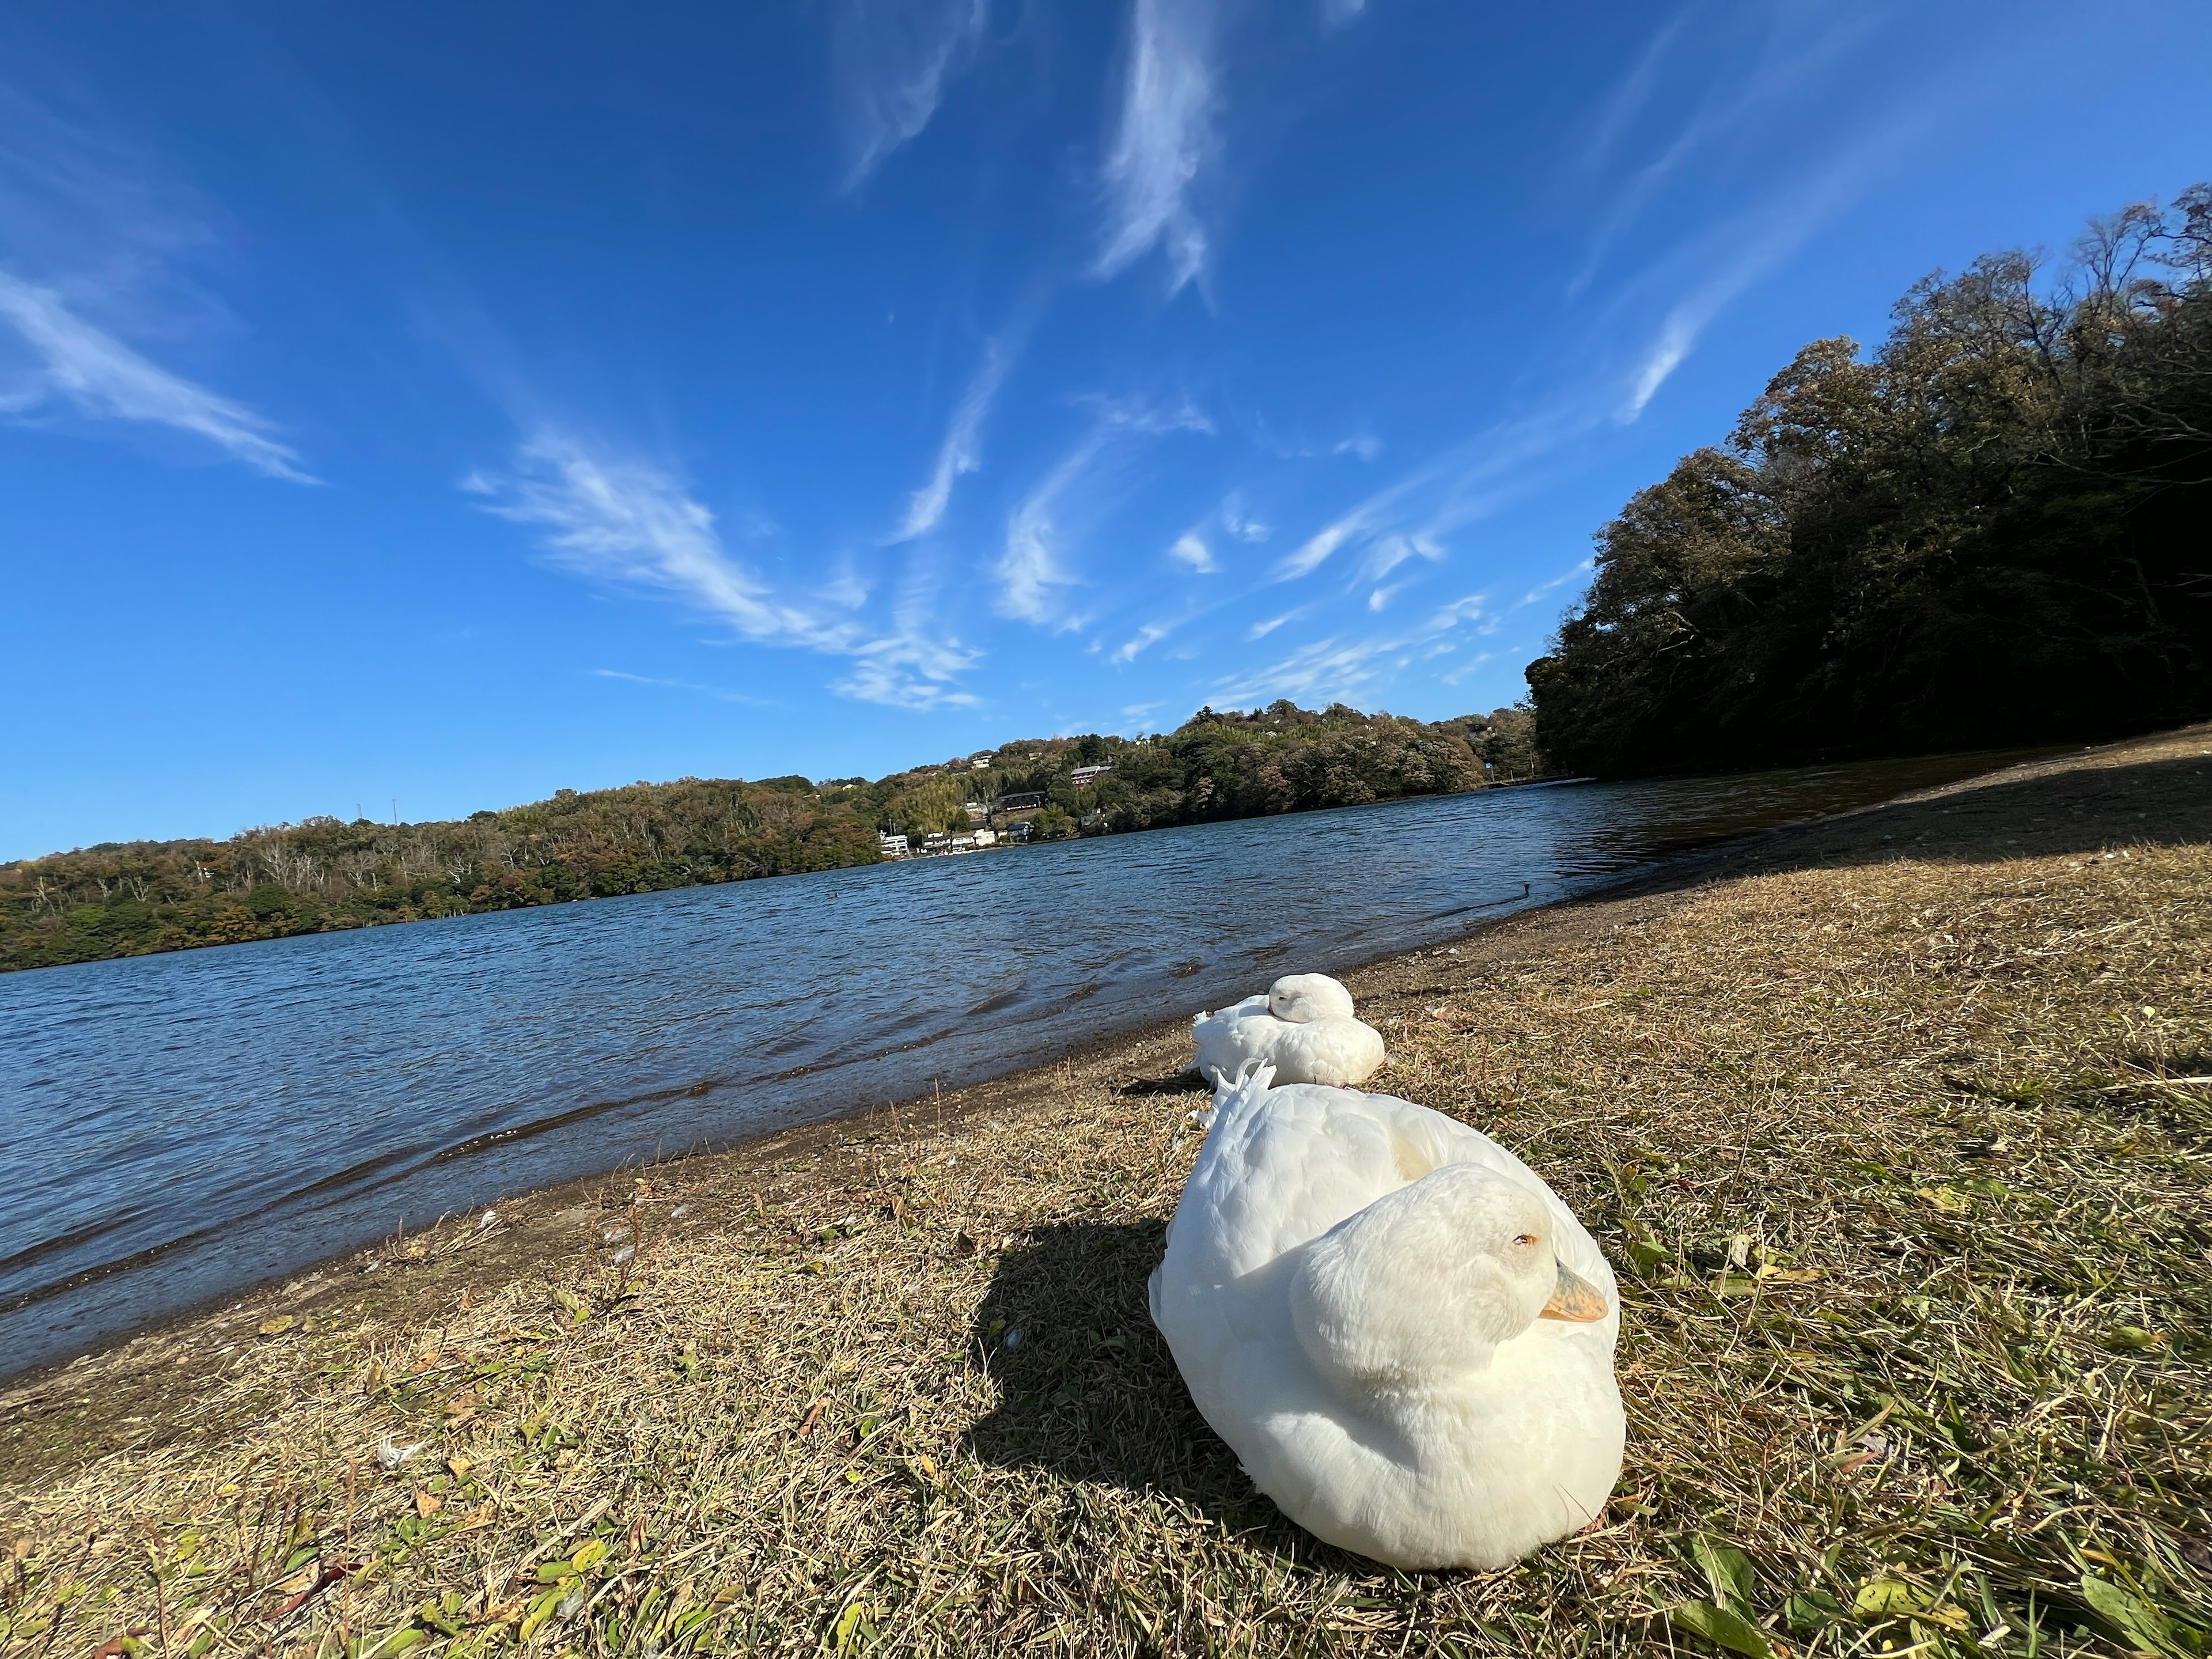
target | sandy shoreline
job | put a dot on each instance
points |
(1724, 1050)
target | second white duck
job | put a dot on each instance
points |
(1303, 1028)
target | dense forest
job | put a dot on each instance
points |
(1996, 528)
(325, 874)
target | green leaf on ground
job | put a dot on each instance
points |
(1729, 1571)
(2139, 1618)
(1723, 1628)
(1885, 1598)
(1810, 1610)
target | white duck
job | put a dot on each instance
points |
(1303, 1027)
(1401, 1332)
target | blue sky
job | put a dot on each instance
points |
(454, 404)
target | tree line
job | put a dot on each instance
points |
(1992, 529)
(326, 874)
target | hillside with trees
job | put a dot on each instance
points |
(1996, 528)
(323, 874)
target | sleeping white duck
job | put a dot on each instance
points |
(1303, 1027)
(1398, 1327)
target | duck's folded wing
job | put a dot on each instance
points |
(1274, 1179)
(1422, 1139)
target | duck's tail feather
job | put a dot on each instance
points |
(1251, 1082)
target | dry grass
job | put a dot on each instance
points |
(1898, 1127)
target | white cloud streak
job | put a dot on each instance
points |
(1193, 552)
(626, 520)
(1338, 670)
(1762, 243)
(1555, 584)
(893, 59)
(1633, 91)
(716, 691)
(962, 452)
(104, 378)
(1150, 635)
(1032, 572)
(1706, 275)
(1787, 57)
(1165, 141)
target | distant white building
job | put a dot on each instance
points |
(963, 843)
(986, 838)
(891, 847)
(977, 811)
(1084, 776)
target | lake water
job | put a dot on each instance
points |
(180, 1126)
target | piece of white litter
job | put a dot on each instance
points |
(371, 1267)
(391, 1457)
(623, 1254)
(679, 1212)
(486, 1220)
(615, 1235)
(1453, 951)
(1014, 1337)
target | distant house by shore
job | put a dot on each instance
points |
(1084, 776)
(1029, 801)
(891, 847)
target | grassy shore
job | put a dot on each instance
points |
(1896, 1125)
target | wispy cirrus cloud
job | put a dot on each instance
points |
(1146, 636)
(1628, 95)
(1645, 334)
(1738, 254)
(719, 693)
(623, 519)
(98, 375)
(1556, 582)
(1788, 50)
(962, 452)
(97, 242)
(1344, 670)
(912, 668)
(1341, 669)
(1033, 571)
(893, 59)
(1165, 140)
(1190, 548)
(1366, 519)
(626, 520)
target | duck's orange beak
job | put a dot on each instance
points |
(1574, 1299)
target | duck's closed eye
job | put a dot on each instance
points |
(1525, 1240)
